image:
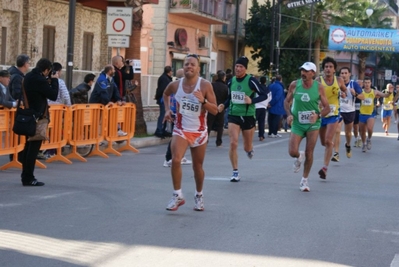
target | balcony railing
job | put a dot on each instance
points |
(229, 29)
(219, 9)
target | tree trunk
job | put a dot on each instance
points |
(316, 55)
(133, 52)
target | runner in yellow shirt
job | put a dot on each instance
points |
(368, 113)
(387, 108)
(334, 87)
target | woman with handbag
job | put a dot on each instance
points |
(39, 85)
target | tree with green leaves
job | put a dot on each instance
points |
(352, 13)
(257, 33)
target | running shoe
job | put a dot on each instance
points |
(335, 157)
(235, 177)
(298, 161)
(323, 173)
(185, 161)
(250, 154)
(167, 163)
(304, 186)
(348, 151)
(199, 203)
(368, 144)
(278, 136)
(121, 133)
(364, 148)
(271, 136)
(386, 133)
(356, 143)
(360, 143)
(175, 202)
(398, 138)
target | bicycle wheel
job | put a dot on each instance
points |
(84, 150)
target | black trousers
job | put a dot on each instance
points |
(273, 121)
(28, 161)
(260, 117)
(216, 122)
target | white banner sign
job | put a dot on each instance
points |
(119, 20)
(388, 75)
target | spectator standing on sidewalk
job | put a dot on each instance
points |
(6, 99)
(37, 89)
(261, 109)
(221, 92)
(63, 92)
(275, 107)
(17, 75)
(105, 91)
(163, 81)
(123, 72)
(80, 94)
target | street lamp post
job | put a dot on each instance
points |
(369, 13)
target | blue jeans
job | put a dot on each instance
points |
(160, 126)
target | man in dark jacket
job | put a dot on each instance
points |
(221, 92)
(163, 81)
(276, 107)
(79, 94)
(106, 91)
(5, 97)
(17, 75)
(123, 72)
(39, 85)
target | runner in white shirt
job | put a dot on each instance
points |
(194, 98)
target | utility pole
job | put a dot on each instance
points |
(235, 56)
(70, 43)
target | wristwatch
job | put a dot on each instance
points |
(205, 101)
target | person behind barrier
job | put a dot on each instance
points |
(17, 75)
(63, 93)
(37, 89)
(106, 92)
(6, 99)
(194, 99)
(163, 81)
(80, 94)
(123, 72)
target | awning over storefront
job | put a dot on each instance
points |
(181, 56)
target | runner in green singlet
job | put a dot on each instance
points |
(304, 117)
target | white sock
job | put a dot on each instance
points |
(304, 179)
(179, 192)
(198, 193)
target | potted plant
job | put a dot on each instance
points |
(185, 3)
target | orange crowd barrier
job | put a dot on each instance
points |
(84, 126)
(55, 133)
(120, 118)
(9, 142)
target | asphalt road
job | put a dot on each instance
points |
(111, 212)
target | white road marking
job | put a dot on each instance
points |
(52, 196)
(385, 232)
(217, 179)
(395, 261)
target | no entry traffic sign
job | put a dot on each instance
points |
(119, 20)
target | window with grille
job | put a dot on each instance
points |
(48, 42)
(87, 56)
